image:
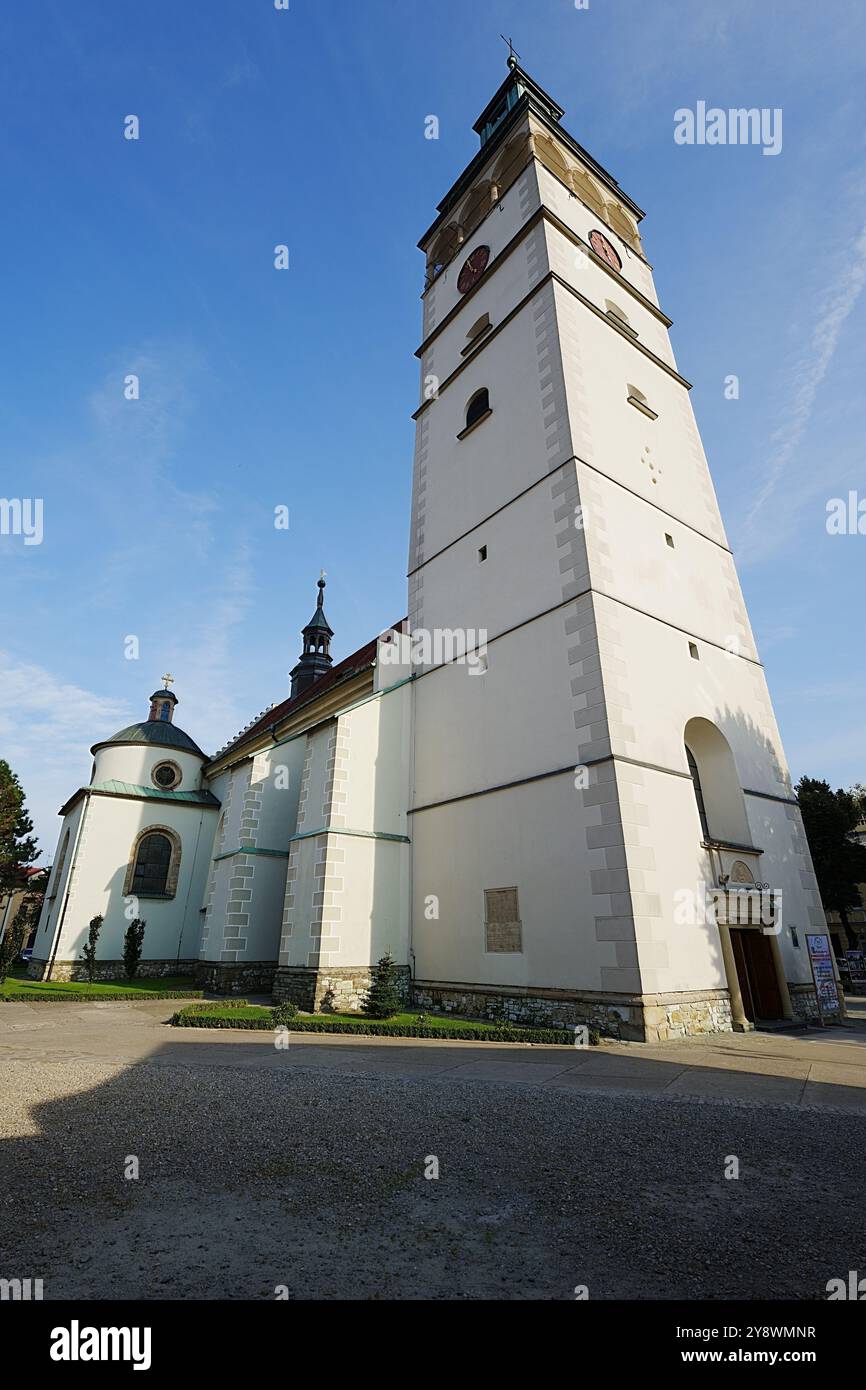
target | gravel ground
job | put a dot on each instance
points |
(252, 1179)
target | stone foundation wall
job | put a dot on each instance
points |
(108, 970)
(329, 988)
(241, 977)
(631, 1018)
(685, 1019)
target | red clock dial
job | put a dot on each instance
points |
(473, 268)
(602, 247)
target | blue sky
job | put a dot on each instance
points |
(262, 388)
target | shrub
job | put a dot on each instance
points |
(89, 951)
(208, 1006)
(285, 1013)
(132, 944)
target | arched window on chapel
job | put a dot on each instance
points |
(154, 865)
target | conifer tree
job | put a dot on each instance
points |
(383, 998)
(14, 938)
(18, 847)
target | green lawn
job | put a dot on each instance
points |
(17, 988)
(239, 1014)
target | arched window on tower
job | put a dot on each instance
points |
(699, 791)
(718, 792)
(636, 397)
(478, 407)
(622, 223)
(587, 191)
(619, 315)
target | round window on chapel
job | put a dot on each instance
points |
(166, 775)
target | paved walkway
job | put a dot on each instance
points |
(807, 1068)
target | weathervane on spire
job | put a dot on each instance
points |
(513, 55)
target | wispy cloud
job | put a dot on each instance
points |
(212, 679)
(828, 754)
(201, 120)
(133, 459)
(46, 728)
(242, 73)
(150, 529)
(809, 372)
(824, 692)
(47, 725)
(768, 637)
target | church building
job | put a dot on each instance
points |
(556, 791)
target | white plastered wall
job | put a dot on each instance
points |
(248, 874)
(110, 829)
(347, 888)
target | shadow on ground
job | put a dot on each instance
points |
(307, 1170)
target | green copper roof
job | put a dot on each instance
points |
(113, 787)
(131, 789)
(158, 731)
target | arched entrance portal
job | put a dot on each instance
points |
(750, 946)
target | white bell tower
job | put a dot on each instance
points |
(584, 805)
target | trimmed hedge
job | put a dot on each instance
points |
(198, 1017)
(20, 996)
(210, 1005)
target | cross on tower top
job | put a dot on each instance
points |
(513, 55)
(168, 680)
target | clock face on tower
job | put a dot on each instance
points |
(602, 247)
(473, 268)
